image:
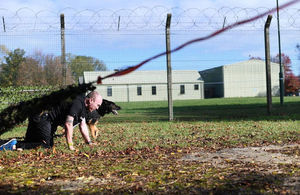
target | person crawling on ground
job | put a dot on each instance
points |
(42, 127)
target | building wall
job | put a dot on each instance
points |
(124, 88)
(190, 92)
(119, 92)
(128, 92)
(249, 79)
(243, 79)
(213, 82)
(146, 89)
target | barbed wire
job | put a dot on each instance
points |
(139, 19)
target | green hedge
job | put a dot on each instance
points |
(11, 95)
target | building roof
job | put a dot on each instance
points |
(242, 63)
(145, 77)
(252, 62)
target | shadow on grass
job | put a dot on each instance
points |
(238, 112)
(226, 112)
(240, 182)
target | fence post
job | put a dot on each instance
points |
(63, 49)
(267, 58)
(169, 69)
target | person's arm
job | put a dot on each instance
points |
(69, 131)
(85, 132)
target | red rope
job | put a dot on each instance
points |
(133, 68)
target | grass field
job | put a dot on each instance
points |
(140, 150)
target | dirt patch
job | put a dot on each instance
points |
(270, 155)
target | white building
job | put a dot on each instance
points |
(148, 85)
(242, 79)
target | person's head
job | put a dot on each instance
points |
(93, 101)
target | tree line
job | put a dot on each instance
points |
(38, 69)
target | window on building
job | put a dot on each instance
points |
(182, 89)
(196, 87)
(153, 90)
(109, 91)
(139, 90)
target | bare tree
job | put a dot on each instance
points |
(30, 73)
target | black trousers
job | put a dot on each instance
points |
(40, 131)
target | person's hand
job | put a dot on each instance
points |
(72, 148)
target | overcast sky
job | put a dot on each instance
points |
(140, 32)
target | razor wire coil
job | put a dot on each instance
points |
(139, 19)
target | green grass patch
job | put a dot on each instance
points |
(210, 110)
(139, 151)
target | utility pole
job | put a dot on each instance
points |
(281, 81)
(63, 49)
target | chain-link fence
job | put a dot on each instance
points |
(112, 36)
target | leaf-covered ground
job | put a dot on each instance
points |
(215, 146)
(149, 158)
